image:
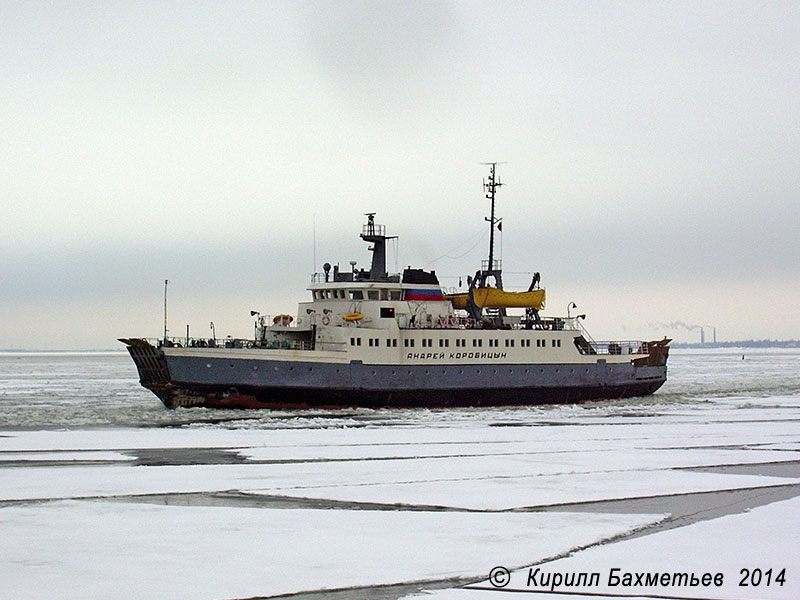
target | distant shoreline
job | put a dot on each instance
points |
(63, 351)
(739, 344)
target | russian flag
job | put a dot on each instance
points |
(425, 295)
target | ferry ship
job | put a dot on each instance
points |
(368, 338)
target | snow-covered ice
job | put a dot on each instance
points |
(423, 504)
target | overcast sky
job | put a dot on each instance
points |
(650, 150)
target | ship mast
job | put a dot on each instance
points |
(491, 267)
(491, 188)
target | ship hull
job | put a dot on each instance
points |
(252, 381)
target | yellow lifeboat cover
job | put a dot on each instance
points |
(489, 297)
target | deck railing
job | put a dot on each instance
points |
(616, 347)
(182, 342)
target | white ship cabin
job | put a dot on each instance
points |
(373, 316)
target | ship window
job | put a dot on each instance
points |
(384, 294)
(356, 295)
(372, 294)
(352, 341)
(370, 342)
(474, 343)
(395, 295)
(387, 312)
(358, 341)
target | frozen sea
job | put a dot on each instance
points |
(106, 494)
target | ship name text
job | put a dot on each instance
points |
(454, 355)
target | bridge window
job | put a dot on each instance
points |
(372, 294)
(356, 295)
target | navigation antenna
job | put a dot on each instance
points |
(166, 283)
(491, 188)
